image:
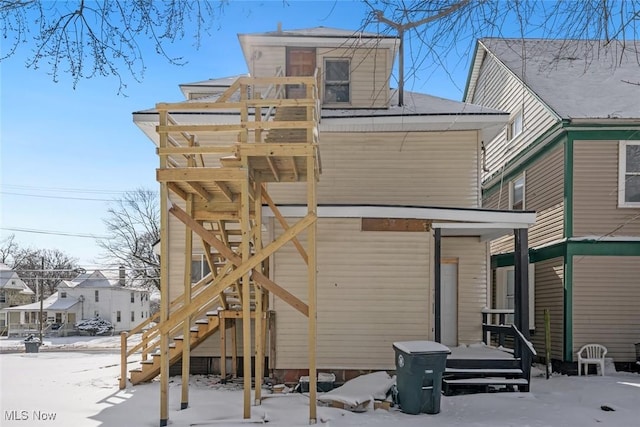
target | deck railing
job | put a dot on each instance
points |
(508, 334)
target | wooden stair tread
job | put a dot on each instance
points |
(483, 371)
(487, 381)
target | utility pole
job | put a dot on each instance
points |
(41, 286)
(401, 28)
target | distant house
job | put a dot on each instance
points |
(13, 291)
(571, 152)
(87, 296)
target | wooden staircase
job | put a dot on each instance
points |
(511, 371)
(150, 368)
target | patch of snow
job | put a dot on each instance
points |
(361, 391)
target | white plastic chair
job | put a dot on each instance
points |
(591, 354)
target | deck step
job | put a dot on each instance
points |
(487, 381)
(483, 371)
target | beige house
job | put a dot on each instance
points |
(570, 152)
(13, 292)
(398, 247)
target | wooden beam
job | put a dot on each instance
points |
(294, 168)
(186, 347)
(245, 226)
(259, 310)
(273, 149)
(271, 286)
(224, 188)
(284, 224)
(396, 224)
(177, 190)
(200, 174)
(197, 149)
(312, 290)
(274, 169)
(223, 348)
(164, 285)
(234, 349)
(202, 192)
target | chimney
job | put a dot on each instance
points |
(121, 275)
(279, 27)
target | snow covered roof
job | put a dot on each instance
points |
(319, 32)
(52, 303)
(89, 280)
(9, 279)
(578, 79)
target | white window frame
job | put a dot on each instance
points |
(623, 173)
(337, 82)
(515, 127)
(503, 300)
(512, 187)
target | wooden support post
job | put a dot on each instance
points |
(145, 344)
(223, 348)
(234, 349)
(312, 277)
(259, 310)
(123, 360)
(164, 279)
(186, 327)
(245, 227)
(272, 339)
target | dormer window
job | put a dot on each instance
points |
(336, 81)
(63, 294)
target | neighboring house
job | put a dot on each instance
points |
(570, 152)
(87, 296)
(13, 291)
(401, 241)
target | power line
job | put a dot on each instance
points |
(55, 233)
(65, 189)
(58, 197)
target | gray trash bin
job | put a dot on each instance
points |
(31, 344)
(419, 369)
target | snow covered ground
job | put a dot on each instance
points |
(78, 388)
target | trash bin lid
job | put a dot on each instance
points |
(421, 347)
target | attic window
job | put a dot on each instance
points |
(63, 294)
(336, 81)
(514, 128)
(629, 174)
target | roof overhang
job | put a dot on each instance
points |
(485, 224)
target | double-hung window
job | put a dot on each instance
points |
(337, 81)
(629, 174)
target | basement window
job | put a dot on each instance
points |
(629, 174)
(336, 81)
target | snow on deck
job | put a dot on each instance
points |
(478, 351)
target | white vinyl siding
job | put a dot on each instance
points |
(500, 89)
(595, 198)
(373, 289)
(472, 284)
(606, 297)
(393, 168)
(549, 294)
